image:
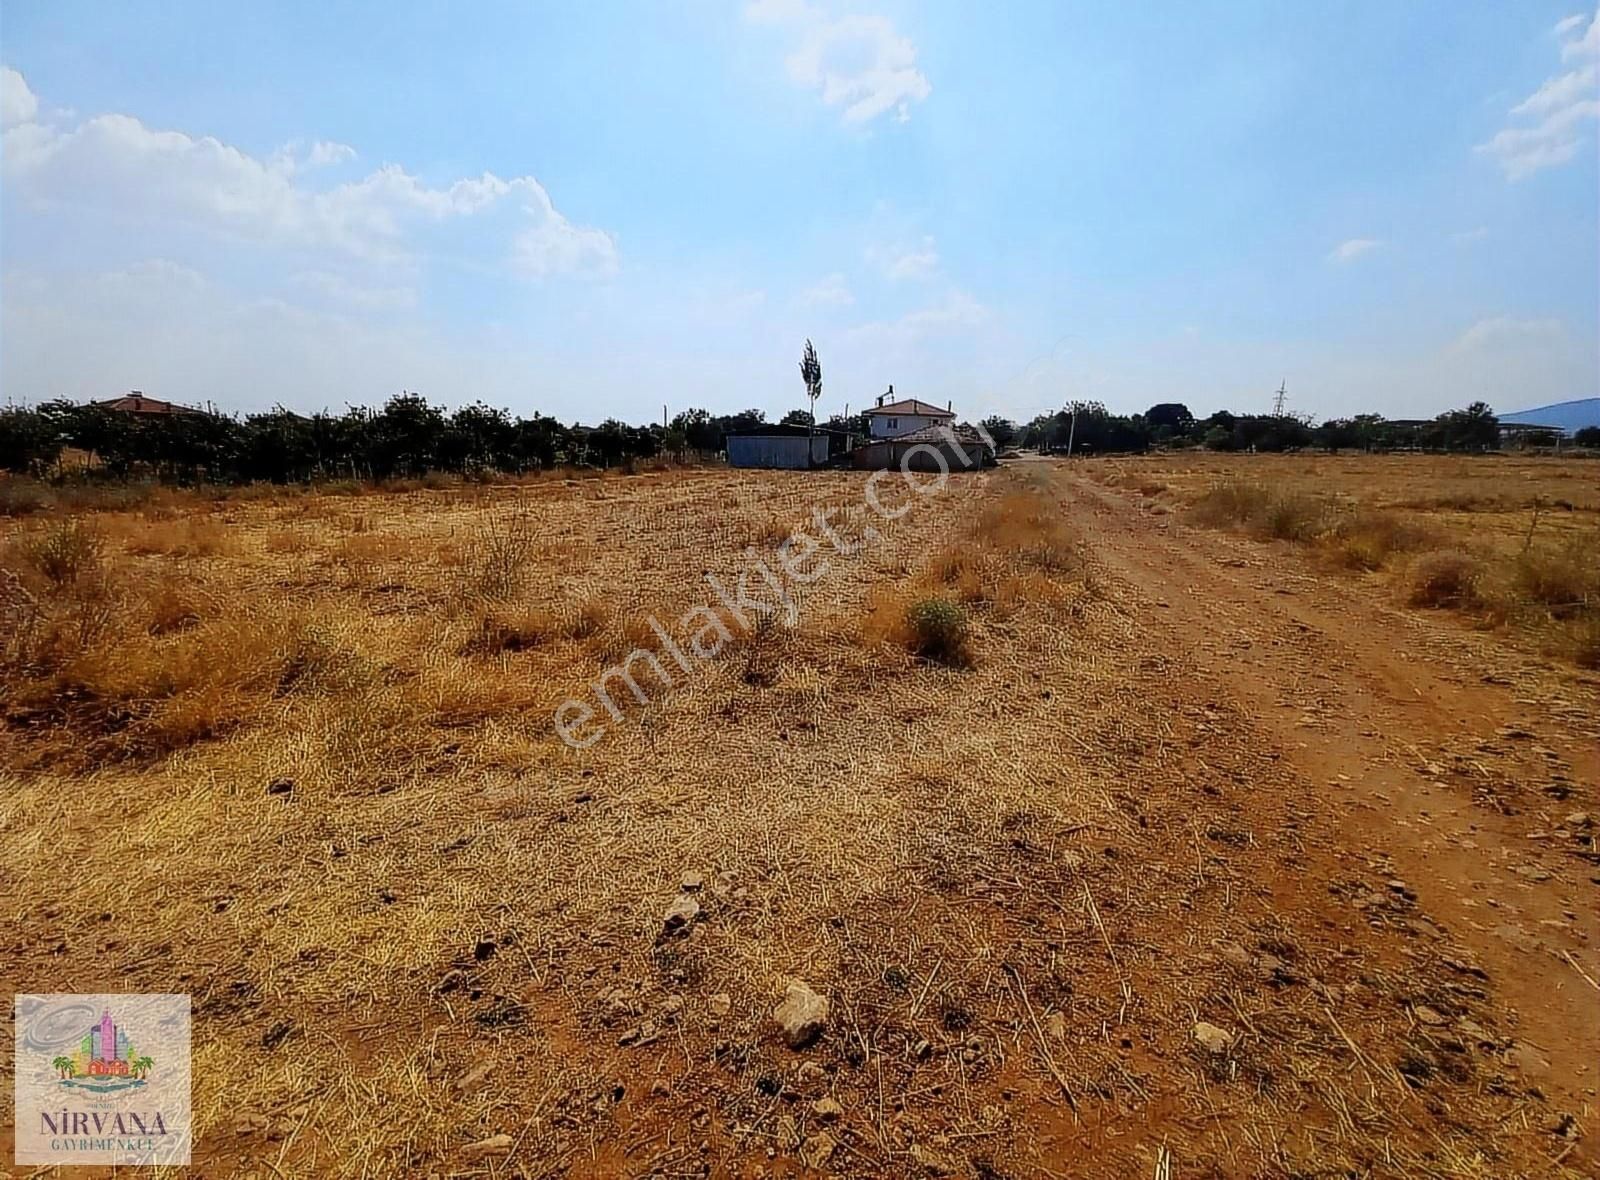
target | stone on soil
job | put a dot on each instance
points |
(802, 1015)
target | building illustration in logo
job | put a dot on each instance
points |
(105, 1054)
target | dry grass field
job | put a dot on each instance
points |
(1146, 817)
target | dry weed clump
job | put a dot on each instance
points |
(59, 595)
(1445, 578)
(1562, 578)
(500, 551)
(1368, 539)
(1281, 515)
(174, 604)
(512, 629)
(1548, 591)
(1017, 552)
(1233, 502)
(65, 553)
(182, 537)
(100, 662)
(589, 619)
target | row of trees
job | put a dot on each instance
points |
(1090, 427)
(409, 437)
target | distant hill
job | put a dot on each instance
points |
(1564, 416)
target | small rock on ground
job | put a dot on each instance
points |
(683, 911)
(494, 1145)
(1213, 1039)
(818, 1149)
(802, 1015)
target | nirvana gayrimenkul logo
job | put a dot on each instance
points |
(102, 1079)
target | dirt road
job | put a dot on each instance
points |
(1431, 765)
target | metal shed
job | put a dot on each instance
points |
(793, 447)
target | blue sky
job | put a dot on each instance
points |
(598, 209)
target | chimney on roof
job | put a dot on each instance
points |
(950, 405)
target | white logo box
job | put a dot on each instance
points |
(102, 1079)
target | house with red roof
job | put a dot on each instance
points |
(891, 418)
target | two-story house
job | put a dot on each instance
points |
(891, 418)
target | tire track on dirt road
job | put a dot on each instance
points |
(1403, 756)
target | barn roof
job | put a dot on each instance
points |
(776, 428)
(137, 403)
(964, 434)
(911, 406)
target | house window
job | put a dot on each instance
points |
(893, 422)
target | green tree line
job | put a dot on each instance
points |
(1091, 428)
(409, 437)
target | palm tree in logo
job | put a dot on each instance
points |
(63, 1067)
(141, 1066)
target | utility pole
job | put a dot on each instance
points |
(1278, 400)
(1072, 430)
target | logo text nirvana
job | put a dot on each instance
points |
(99, 1122)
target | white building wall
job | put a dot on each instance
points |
(894, 425)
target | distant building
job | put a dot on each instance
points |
(135, 402)
(1564, 418)
(891, 419)
(790, 447)
(933, 448)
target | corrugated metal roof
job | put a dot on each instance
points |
(963, 433)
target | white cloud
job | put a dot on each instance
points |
(325, 153)
(1588, 45)
(1498, 333)
(1562, 106)
(114, 164)
(1353, 248)
(831, 291)
(552, 245)
(858, 62)
(1477, 234)
(17, 103)
(917, 262)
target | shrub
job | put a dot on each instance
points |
(1445, 578)
(173, 605)
(938, 631)
(1293, 517)
(23, 497)
(1581, 640)
(1563, 579)
(501, 548)
(1233, 502)
(66, 553)
(21, 620)
(1368, 540)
